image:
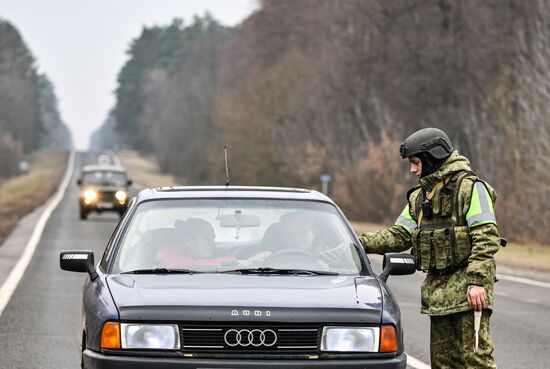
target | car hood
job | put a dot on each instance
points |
(215, 297)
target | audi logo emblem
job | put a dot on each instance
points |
(246, 337)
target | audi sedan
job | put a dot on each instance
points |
(237, 277)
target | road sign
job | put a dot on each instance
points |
(325, 179)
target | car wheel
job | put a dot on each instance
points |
(83, 214)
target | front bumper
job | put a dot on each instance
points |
(105, 206)
(95, 360)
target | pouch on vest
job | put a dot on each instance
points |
(441, 243)
(424, 244)
(463, 245)
(421, 248)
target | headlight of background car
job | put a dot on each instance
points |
(120, 195)
(89, 196)
(150, 336)
(350, 339)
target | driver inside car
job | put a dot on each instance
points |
(300, 231)
(297, 231)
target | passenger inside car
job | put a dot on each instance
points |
(195, 246)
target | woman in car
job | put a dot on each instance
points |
(196, 246)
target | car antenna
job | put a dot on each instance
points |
(226, 168)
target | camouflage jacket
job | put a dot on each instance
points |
(446, 294)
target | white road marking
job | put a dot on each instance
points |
(502, 294)
(10, 284)
(523, 280)
(416, 364)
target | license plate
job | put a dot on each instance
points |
(105, 205)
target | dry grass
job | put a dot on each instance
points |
(525, 256)
(144, 171)
(22, 194)
(361, 227)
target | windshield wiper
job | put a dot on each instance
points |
(161, 271)
(278, 271)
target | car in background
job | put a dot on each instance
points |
(237, 277)
(104, 159)
(103, 188)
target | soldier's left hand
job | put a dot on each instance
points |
(477, 297)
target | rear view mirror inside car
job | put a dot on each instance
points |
(238, 219)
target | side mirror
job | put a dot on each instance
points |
(78, 261)
(397, 264)
(79, 182)
(130, 182)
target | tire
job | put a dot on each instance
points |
(83, 214)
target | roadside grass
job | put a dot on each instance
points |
(525, 256)
(529, 257)
(22, 194)
(144, 171)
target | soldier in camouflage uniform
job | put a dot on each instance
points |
(450, 226)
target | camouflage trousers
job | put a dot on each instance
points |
(452, 342)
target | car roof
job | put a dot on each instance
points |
(213, 192)
(103, 167)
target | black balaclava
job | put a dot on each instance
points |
(429, 163)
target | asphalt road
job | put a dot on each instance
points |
(39, 325)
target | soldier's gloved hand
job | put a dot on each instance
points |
(477, 297)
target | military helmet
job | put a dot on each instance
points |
(428, 140)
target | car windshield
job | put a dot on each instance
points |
(104, 178)
(238, 236)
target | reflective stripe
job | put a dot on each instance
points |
(402, 260)
(481, 208)
(405, 220)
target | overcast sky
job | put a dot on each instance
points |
(81, 45)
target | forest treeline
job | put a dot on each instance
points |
(29, 116)
(304, 87)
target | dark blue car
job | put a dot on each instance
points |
(237, 277)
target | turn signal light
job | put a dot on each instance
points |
(388, 339)
(110, 336)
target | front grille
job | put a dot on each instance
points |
(106, 196)
(259, 339)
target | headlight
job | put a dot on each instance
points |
(350, 339)
(90, 195)
(150, 336)
(121, 195)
